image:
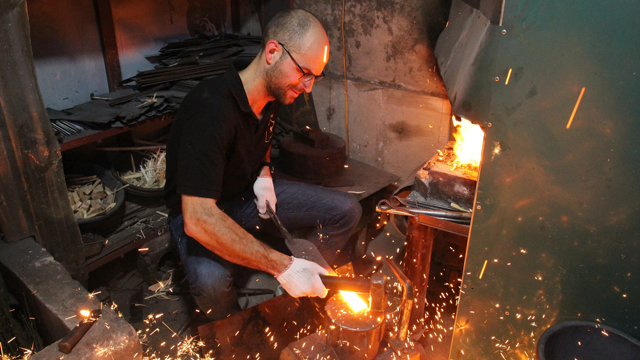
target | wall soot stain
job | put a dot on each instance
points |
(403, 130)
(330, 112)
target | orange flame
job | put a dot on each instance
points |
(85, 313)
(468, 146)
(354, 301)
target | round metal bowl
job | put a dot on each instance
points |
(109, 181)
(122, 164)
(586, 340)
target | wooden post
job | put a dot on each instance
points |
(33, 194)
(417, 262)
(109, 43)
(236, 21)
(263, 24)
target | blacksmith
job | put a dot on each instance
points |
(219, 173)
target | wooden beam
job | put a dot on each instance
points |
(262, 19)
(109, 43)
(33, 199)
(236, 22)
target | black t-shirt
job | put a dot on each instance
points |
(216, 143)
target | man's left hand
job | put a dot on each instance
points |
(264, 191)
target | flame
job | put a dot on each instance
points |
(85, 313)
(354, 301)
(468, 146)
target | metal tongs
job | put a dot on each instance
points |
(300, 248)
(397, 206)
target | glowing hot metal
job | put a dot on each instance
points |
(354, 301)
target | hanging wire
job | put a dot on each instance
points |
(346, 87)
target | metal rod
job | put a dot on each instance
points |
(407, 300)
(346, 283)
(387, 206)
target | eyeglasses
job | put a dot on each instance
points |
(305, 75)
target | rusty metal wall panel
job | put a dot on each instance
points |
(555, 231)
(33, 194)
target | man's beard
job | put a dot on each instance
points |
(276, 86)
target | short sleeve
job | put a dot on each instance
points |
(206, 138)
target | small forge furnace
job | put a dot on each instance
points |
(377, 331)
(357, 334)
(439, 205)
(450, 177)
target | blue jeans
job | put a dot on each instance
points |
(331, 215)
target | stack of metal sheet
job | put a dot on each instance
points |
(197, 58)
(179, 67)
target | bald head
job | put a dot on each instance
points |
(293, 28)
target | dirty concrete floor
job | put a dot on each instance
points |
(167, 321)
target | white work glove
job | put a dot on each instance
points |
(302, 278)
(263, 188)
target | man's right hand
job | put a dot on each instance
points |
(302, 278)
(265, 192)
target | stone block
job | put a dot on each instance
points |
(111, 337)
(55, 300)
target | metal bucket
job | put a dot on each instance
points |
(353, 336)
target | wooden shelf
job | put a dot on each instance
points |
(91, 136)
(140, 220)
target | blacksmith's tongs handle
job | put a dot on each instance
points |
(287, 235)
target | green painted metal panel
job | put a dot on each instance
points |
(557, 221)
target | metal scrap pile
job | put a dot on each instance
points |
(179, 67)
(194, 59)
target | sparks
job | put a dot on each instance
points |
(483, 267)
(575, 108)
(508, 76)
